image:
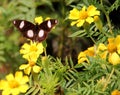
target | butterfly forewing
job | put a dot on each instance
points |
(44, 28)
(26, 28)
(35, 32)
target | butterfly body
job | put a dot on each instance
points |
(36, 32)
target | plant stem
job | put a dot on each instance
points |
(92, 39)
(45, 52)
(107, 17)
(107, 81)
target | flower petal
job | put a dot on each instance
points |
(74, 14)
(23, 88)
(114, 58)
(89, 20)
(27, 70)
(92, 11)
(23, 66)
(39, 19)
(10, 77)
(80, 23)
(36, 69)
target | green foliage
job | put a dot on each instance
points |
(97, 78)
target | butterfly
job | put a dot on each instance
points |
(35, 32)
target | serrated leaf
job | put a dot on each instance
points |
(30, 90)
(36, 91)
(30, 14)
(23, 9)
(27, 3)
(68, 2)
(71, 63)
(69, 83)
(78, 33)
(82, 35)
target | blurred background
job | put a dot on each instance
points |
(59, 44)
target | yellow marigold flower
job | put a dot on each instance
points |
(32, 51)
(102, 50)
(82, 58)
(90, 51)
(14, 85)
(102, 47)
(84, 15)
(114, 58)
(115, 92)
(114, 50)
(39, 20)
(30, 67)
(112, 45)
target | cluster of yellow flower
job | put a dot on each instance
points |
(18, 83)
(31, 53)
(111, 51)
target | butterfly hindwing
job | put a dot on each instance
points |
(35, 32)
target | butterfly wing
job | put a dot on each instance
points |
(26, 28)
(44, 28)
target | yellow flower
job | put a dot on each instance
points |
(39, 20)
(82, 57)
(115, 92)
(83, 16)
(30, 67)
(114, 58)
(14, 85)
(101, 47)
(90, 51)
(114, 50)
(32, 51)
(102, 50)
(112, 46)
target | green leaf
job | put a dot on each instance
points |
(27, 3)
(78, 33)
(36, 91)
(30, 90)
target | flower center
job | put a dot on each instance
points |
(83, 14)
(112, 47)
(31, 63)
(13, 84)
(33, 48)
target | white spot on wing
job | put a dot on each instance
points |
(30, 33)
(22, 24)
(41, 33)
(14, 22)
(49, 24)
(56, 21)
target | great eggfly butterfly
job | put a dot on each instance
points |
(36, 32)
